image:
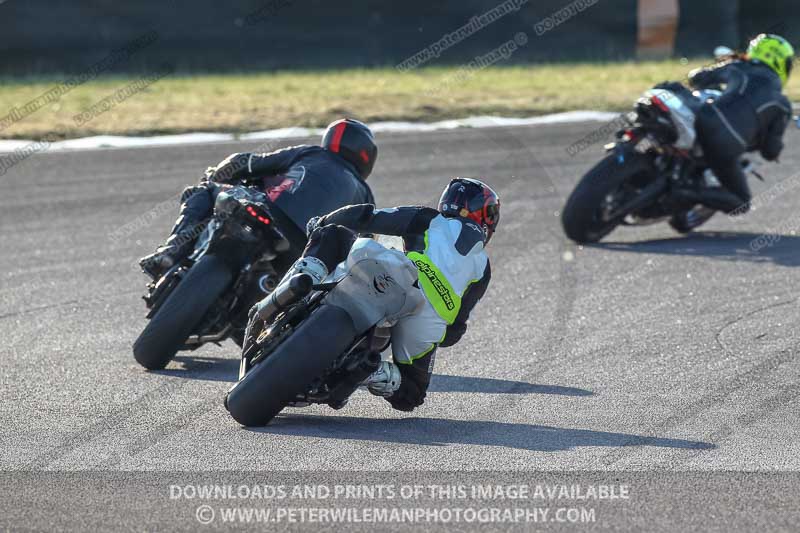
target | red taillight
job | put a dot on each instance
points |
(629, 135)
(659, 104)
(253, 213)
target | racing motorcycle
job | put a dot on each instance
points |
(654, 155)
(206, 297)
(327, 338)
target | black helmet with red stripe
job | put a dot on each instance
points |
(353, 140)
(472, 199)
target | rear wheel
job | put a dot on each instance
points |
(306, 355)
(182, 311)
(585, 217)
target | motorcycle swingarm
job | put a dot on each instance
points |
(346, 375)
(645, 198)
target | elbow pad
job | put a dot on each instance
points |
(351, 216)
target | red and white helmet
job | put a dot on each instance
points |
(472, 199)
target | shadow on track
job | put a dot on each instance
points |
(219, 369)
(446, 383)
(442, 432)
(203, 368)
(725, 245)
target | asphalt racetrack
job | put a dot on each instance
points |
(671, 360)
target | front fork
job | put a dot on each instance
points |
(159, 290)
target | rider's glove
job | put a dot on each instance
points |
(208, 175)
(313, 224)
(384, 381)
(232, 169)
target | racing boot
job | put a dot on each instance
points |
(178, 246)
(710, 193)
(197, 202)
(693, 218)
(385, 381)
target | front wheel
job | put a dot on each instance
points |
(306, 355)
(182, 311)
(585, 216)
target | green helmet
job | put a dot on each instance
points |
(775, 52)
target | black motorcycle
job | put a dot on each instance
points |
(654, 156)
(327, 338)
(206, 297)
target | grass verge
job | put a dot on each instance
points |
(249, 102)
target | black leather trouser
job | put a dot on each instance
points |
(722, 151)
(330, 244)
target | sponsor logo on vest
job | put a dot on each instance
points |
(381, 282)
(444, 293)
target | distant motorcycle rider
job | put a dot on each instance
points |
(301, 182)
(751, 114)
(447, 245)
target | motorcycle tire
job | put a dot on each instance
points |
(580, 218)
(288, 371)
(183, 310)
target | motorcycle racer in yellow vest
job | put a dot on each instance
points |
(448, 247)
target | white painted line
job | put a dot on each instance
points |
(114, 141)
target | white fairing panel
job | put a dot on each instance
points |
(681, 114)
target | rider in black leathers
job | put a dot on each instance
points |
(301, 182)
(751, 114)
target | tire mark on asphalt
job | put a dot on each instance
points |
(762, 409)
(161, 432)
(553, 341)
(741, 318)
(750, 417)
(77, 301)
(715, 397)
(117, 418)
